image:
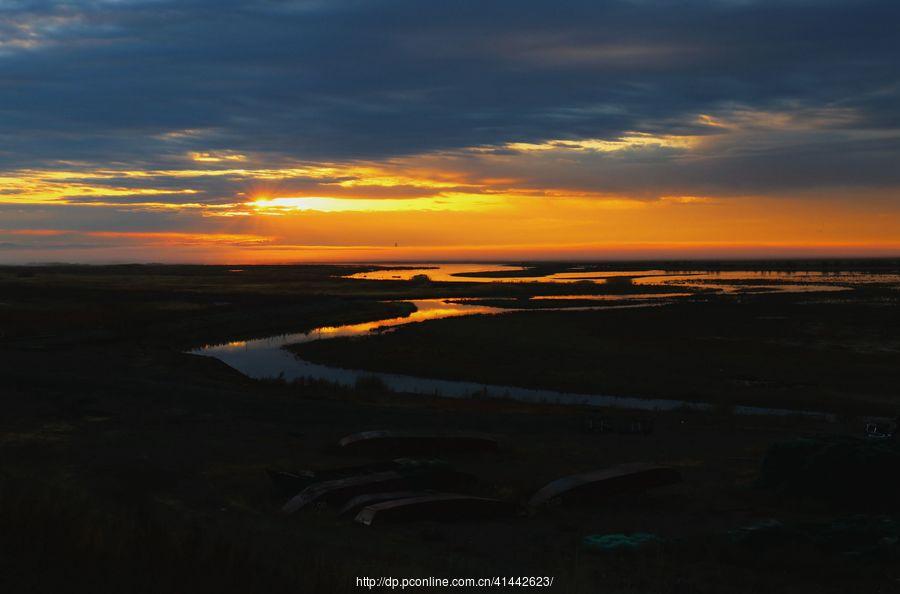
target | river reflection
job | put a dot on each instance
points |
(452, 272)
(727, 281)
(266, 357)
(637, 297)
(435, 272)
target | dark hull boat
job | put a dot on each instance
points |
(357, 503)
(599, 484)
(402, 478)
(340, 490)
(438, 472)
(441, 507)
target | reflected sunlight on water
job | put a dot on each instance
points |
(639, 297)
(435, 272)
(426, 309)
(728, 281)
(266, 357)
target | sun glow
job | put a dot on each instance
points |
(286, 204)
(564, 198)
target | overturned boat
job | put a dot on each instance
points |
(404, 475)
(357, 503)
(340, 490)
(417, 442)
(440, 507)
(440, 473)
(598, 484)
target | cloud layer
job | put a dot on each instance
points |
(202, 106)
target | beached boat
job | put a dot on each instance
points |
(340, 490)
(598, 484)
(441, 507)
(404, 475)
(357, 503)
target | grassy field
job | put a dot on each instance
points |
(127, 465)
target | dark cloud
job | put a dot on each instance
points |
(137, 84)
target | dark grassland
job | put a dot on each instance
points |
(129, 466)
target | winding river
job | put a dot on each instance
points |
(266, 357)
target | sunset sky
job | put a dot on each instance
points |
(316, 130)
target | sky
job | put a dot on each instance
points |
(252, 131)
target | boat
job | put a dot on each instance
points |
(357, 503)
(441, 473)
(440, 507)
(340, 490)
(404, 476)
(599, 484)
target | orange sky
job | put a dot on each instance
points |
(502, 227)
(530, 201)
